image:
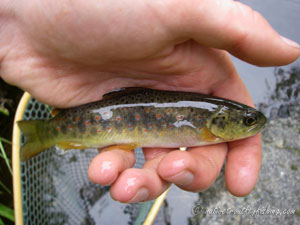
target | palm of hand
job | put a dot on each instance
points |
(82, 57)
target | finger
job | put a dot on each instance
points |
(235, 27)
(151, 153)
(136, 185)
(243, 165)
(106, 166)
(194, 170)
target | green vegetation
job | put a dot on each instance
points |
(4, 111)
(3, 154)
(5, 211)
(9, 99)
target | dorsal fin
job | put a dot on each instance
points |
(123, 91)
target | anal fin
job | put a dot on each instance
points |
(125, 147)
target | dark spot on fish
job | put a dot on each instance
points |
(54, 132)
(130, 126)
(93, 131)
(221, 124)
(73, 134)
(131, 119)
(81, 127)
(92, 119)
(214, 121)
(63, 129)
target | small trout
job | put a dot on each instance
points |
(143, 117)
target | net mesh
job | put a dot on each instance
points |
(56, 189)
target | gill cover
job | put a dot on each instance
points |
(232, 124)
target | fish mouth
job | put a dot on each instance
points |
(263, 120)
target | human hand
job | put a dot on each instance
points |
(69, 54)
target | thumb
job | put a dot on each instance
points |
(235, 27)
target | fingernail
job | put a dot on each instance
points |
(183, 178)
(140, 196)
(290, 42)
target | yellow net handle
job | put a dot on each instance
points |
(16, 142)
(158, 203)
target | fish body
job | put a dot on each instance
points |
(143, 118)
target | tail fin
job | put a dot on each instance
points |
(35, 143)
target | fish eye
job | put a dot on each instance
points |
(250, 119)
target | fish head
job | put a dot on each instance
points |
(236, 123)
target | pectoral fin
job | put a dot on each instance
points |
(208, 136)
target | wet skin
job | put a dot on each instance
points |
(141, 117)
